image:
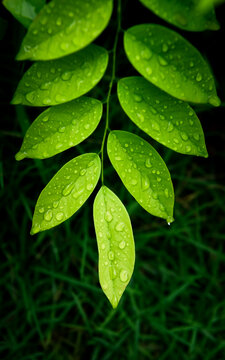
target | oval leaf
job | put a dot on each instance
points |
(24, 10)
(170, 62)
(66, 192)
(60, 127)
(184, 14)
(64, 27)
(115, 244)
(171, 122)
(143, 172)
(58, 81)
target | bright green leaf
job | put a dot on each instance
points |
(66, 192)
(57, 81)
(170, 62)
(24, 10)
(183, 14)
(64, 27)
(171, 122)
(115, 244)
(60, 127)
(143, 172)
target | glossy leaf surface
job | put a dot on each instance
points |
(171, 122)
(170, 62)
(64, 27)
(60, 127)
(24, 11)
(115, 244)
(66, 192)
(143, 172)
(184, 14)
(57, 81)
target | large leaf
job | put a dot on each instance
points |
(115, 244)
(60, 127)
(171, 122)
(57, 81)
(24, 10)
(66, 192)
(184, 14)
(143, 172)
(170, 62)
(64, 27)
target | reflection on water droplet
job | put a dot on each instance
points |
(120, 226)
(112, 272)
(41, 210)
(108, 216)
(111, 255)
(123, 275)
(48, 215)
(83, 172)
(59, 216)
(148, 163)
(67, 190)
(122, 244)
(145, 182)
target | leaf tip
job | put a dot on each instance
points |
(16, 100)
(214, 100)
(20, 155)
(35, 229)
(22, 55)
(114, 301)
(169, 220)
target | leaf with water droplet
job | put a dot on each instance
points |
(115, 244)
(24, 11)
(141, 162)
(184, 14)
(63, 27)
(175, 65)
(60, 127)
(161, 116)
(58, 81)
(66, 192)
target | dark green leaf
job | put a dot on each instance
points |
(57, 81)
(115, 244)
(24, 10)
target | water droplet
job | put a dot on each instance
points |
(198, 77)
(170, 127)
(41, 210)
(196, 136)
(155, 125)
(118, 158)
(87, 126)
(48, 215)
(103, 246)
(148, 163)
(66, 75)
(77, 193)
(165, 47)
(112, 272)
(59, 21)
(184, 136)
(108, 216)
(123, 275)
(169, 220)
(162, 61)
(122, 244)
(83, 172)
(141, 117)
(191, 64)
(148, 70)
(45, 119)
(59, 216)
(62, 129)
(111, 255)
(67, 190)
(159, 179)
(134, 182)
(55, 204)
(89, 187)
(146, 54)
(145, 182)
(188, 148)
(46, 101)
(137, 98)
(120, 226)
(166, 192)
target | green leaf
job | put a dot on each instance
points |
(57, 81)
(183, 14)
(24, 10)
(171, 122)
(66, 192)
(64, 27)
(115, 244)
(60, 127)
(170, 62)
(143, 172)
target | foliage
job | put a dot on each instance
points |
(70, 67)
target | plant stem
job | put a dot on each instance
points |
(113, 76)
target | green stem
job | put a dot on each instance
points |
(113, 77)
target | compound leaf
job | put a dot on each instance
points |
(64, 27)
(143, 172)
(24, 10)
(171, 122)
(66, 192)
(170, 62)
(57, 81)
(184, 14)
(60, 127)
(115, 244)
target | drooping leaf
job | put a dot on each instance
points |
(64, 27)
(66, 192)
(143, 172)
(115, 244)
(171, 122)
(24, 11)
(57, 81)
(170, 62)
(60, 127)
(183, 14)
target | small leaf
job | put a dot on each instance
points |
(57, 81)
(170, 62)
(183, 14)
(171, 122)
(24, 10)
(64, 27)
(143, 172)
(66, 192)
(60, 127)
(115, 244)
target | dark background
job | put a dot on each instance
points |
(51, 304)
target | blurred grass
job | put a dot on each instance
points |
(51, 304)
